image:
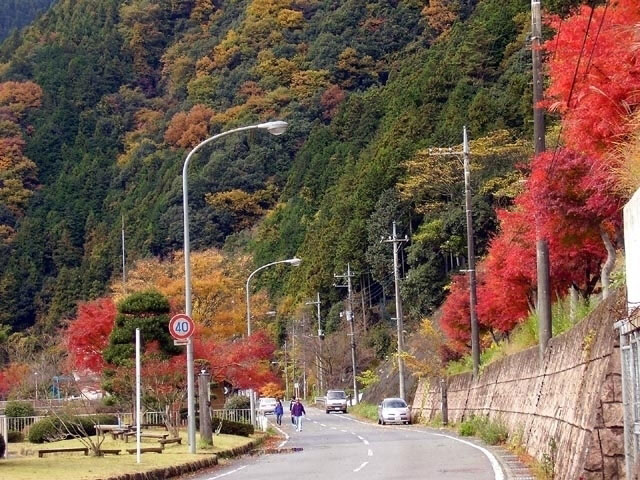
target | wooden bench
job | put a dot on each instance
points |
(118, 433)
(150, 425)
(41, 452)
(164, 441)
(145, 450)
(162, 436)
(112, 451)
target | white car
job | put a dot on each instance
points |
(267, 405)
(393, 410)
(336, 400)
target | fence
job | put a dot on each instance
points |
(23, 424)
(630, 358)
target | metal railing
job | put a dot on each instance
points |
(23, 424)
(630, 360)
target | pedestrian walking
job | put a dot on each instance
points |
(291, 403)
(297, 411)
(279, 411)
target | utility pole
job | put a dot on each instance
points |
(364, 314)
(348, 276)
(124, 268)
(286, 373)
(473, 298)
(542, 245)
(320, 339)
(399, 321)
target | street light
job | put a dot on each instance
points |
(277, 127)
(294, 262)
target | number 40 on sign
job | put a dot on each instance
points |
(181, 326)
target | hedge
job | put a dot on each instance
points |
(52, 428)
(232, 428)
(19, 409)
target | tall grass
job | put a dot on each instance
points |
(365, 410)
(525, 334)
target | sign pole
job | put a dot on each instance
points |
(138, 395)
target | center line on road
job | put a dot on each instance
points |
(366, 442)
(361, 467)
(333, 428)
(322, 425)
(343, 431)
(360, 438)
(228, 473)
(370, 452)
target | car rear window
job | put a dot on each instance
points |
(395, 404)
(336, 395)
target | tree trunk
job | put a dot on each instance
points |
(608, 265)
(574, 300)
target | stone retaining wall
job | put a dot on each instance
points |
(567, 407)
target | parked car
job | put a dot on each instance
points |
(336, 401)
(266, 405)
(393, 410)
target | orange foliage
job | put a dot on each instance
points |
(188, 129)
(16, 97)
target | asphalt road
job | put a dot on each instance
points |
(337, 446)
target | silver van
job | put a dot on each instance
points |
(336, 401)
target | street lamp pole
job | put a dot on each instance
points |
(275, 128)
(295, 262)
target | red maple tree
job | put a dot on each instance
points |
(607, 78)
(88, 334)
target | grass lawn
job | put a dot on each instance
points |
(23, 462)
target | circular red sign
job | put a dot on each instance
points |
(181, 326)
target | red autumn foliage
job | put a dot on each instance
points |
(88, 335)
(509, 273)
(243, 362)
(12, 377)
(455, 320)
(607, 87)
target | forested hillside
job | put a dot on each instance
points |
(101, 100)
(15, 14)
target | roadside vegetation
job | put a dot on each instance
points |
(23, 462)
(365, 410)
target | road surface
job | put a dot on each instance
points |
(337, 446)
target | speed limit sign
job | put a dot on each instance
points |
(181, 326)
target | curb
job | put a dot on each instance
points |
(189, 467)
(270, 451)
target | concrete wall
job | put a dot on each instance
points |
(571, 397)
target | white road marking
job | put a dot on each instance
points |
(314, 421)
(343, 431)
(360, 438)
(228, 473)
(322, 425)
(366, 442)
(361, 467)
(370, 452)
(497, 470)
(333, 428)
(286, 436)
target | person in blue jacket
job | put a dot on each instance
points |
(279, 411)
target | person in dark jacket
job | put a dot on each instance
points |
(279, 411)
(291, 403)
(297, 411)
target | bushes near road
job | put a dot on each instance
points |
(492, 432)
(365, 410)
(232, 428)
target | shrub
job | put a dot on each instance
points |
(232, 428)
(15, 437)
(494, 432)
(19, 409)
(237, 402)
(44, 430)
(50, 429)
(2, 446)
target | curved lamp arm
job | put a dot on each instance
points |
(291, 261)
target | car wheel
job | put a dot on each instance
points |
(344, 411)
(382, 421)
(379, 422)
(327, 411)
